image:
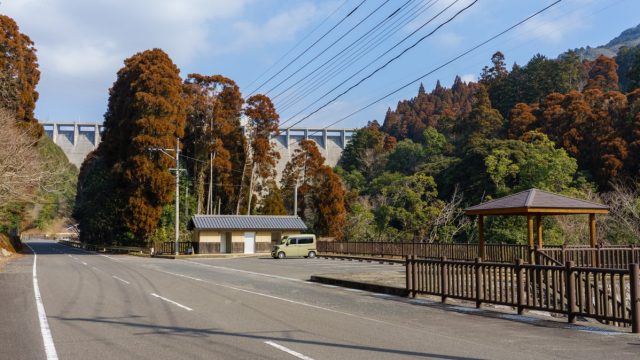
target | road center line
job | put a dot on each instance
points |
(119, 279)
(172, 302)
(49, 346)
(288, 351)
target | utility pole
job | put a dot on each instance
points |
(177, 169)
(295, 199)
(177, 194)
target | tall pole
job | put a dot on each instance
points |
(177, 194)
(295, 200)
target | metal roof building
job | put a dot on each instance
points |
(246, 222)
(242, 233)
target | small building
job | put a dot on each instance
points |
(246, 234)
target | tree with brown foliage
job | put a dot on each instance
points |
(214, 139)
(263, 122)
(301, 170)
(146, 110)
(19, 74)
(603, 74)
(328, 201)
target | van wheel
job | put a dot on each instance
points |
(281, 255)
(312, 254)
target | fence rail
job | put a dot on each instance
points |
(184, 247)
(613, 257)
(493, 252)
(608, 295)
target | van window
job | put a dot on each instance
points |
(293, 241)
(305, 241)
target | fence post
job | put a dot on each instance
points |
(414, 280)
(408, 275)
(572, 308)
(634, 274)
(444, 283)
(531, 255)
(478, 283)
(520, 286)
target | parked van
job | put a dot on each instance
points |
(295, 245)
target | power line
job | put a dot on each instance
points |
(310, 46)
(346, 48)
(374, 60)
(344, 64)
(387, 63)
(299, 42)
(335, 42)
(421, 77)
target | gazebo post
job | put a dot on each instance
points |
(481, 235)
(530, 237)
(592, 238)
(539, 230)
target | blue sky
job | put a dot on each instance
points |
(82, 44)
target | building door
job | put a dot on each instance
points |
(249, 242)
(228, 244)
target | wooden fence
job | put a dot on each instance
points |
(184, 247)
(613, 257)
(608, 295)
(493, 252)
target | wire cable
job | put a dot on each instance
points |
(322, 52)
(298, 43)
(421, 77)
(309, 47)
(336, 69)
(387, 63)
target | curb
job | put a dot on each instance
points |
(382, 289)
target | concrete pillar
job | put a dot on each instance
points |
(288, 138)
(306, 134)
(76, 134)
(54, 136)
(343, 138)
(96, 136)
(324, 143)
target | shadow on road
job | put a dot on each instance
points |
(196, 332)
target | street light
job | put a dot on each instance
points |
(177, 169)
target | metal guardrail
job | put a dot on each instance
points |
(100, 248)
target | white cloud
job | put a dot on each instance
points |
(82, 44)
(468, 78)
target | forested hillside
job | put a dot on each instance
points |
(563, 125)
(37, 182)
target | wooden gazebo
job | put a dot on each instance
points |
(535, 203)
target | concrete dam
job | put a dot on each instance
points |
(77, 140)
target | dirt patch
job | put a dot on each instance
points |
(8, 246)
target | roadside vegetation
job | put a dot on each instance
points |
(37, 182)
(563, 125)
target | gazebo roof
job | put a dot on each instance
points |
(535, 201)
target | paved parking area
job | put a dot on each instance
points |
(300, 268)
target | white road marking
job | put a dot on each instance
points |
(111, 258)
(69, 255)
(49, 346)
(184, 276)
(95, 268)
(84, 263)
(246, 272)
(172, 302)
(327, 286)
(289, 300)
(288, 351)
(117, 278)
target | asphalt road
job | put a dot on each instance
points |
(125, 307)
